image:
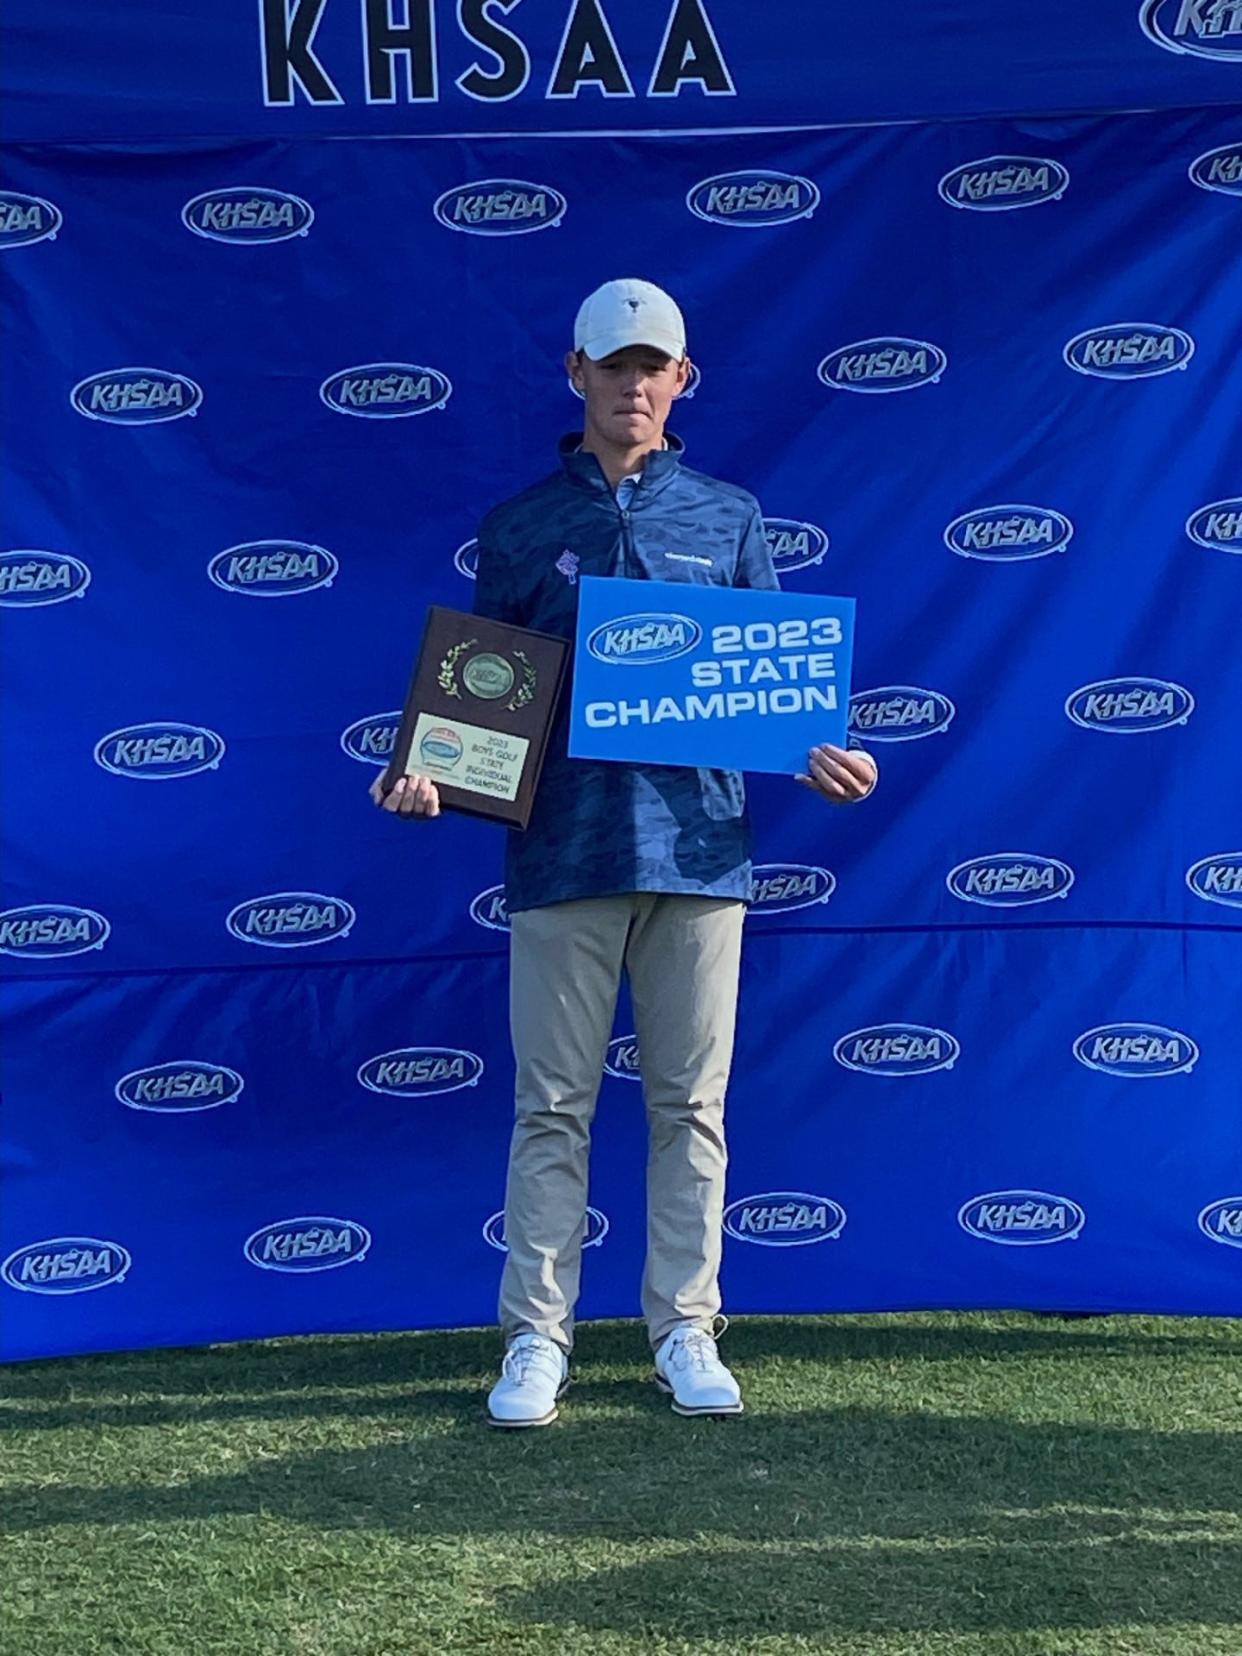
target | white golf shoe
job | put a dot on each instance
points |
(688, 1365)
(534, 1374)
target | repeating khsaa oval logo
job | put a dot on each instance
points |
(1129, 350)
(780, 888)
(488, 909)
(159, 752)
(1009, 533)
(500, 207)
(66, 1265)
(30, 578)
(466, 560)
(386, 390)
(1136, 1050)
(273, 568)
(1221, 1221)
(794, 545)
(308, 1243)
(421, 1072)
(888, 363)
(1218, 526)
(899, 713)
(25, 219)
(622, 1058)
(51, 931)
(752, 199)
(247, 214)
(999, 183)
(1219, 170)
(136, 396)
(897, 1049)
(179, 1086)
(643, 640)
(594, 1233)
(372, 740)
(784, 1219)
(1216, 879)
(1010, 879)
(1200, 28)
(291, 919)
(1129, 706)
(1021, 1218)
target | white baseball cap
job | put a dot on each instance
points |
(629, 312)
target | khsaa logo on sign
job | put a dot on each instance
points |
(1130, 706)
(159, 752)
(897, 1049)
(899, 713)
(466, 560)
(622, 1058)
(421, 1072)
(386, 390)
(1129, 350)
(25, 219)
(30, 578)
(888, 363)
(1218, 526)
(1021, 1218)
(1218, 879)
(500, 207)
(644, 640)
(999, 183)
(1136, 1050)
(488, 909)
(291, 919)
(273, 568)
(1009, 533)
(182, 1085)
(136, 396)
(1221, 1221)
(372, 740)
(594, 1233)
(66, 1265)
(794, 545)
(1219, 170)
(51, 931)
(1201, 28)
(780, 888)
(1010, 879)
(784, 1219)
(247, 214)
(308, 1243)
(752, 199)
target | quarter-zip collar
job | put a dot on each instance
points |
(660, 466)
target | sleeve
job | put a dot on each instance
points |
(494, 594)
(754, 560)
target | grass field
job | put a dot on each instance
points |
(921, 1485)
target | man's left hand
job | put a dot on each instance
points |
(841, 775)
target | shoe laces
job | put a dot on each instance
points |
(533, 1352)
(694, 1348)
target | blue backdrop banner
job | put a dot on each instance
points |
(982, 377)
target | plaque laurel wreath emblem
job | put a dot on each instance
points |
(446, 677)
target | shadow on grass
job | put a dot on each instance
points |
(795, 1523)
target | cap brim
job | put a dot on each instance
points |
(605, 344)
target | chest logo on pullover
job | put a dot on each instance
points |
(567, 565)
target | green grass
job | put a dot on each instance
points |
(921, 1485)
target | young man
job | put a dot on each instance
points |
(636, 868)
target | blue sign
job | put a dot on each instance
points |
(678, 673)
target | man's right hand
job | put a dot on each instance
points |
(409, 796)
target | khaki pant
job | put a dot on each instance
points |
(681, 955)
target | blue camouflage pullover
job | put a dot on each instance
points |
(599, 828)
